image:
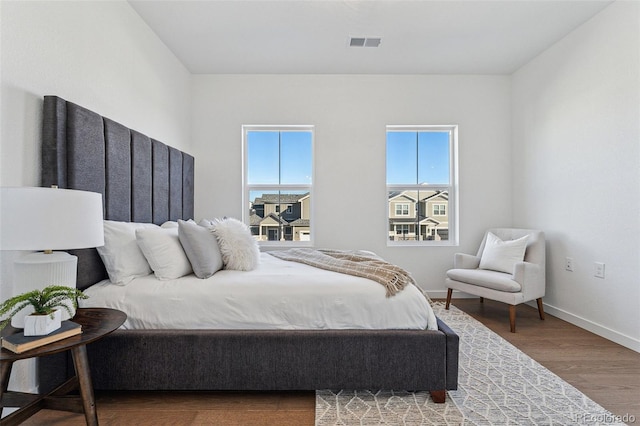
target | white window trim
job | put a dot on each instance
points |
(453, 203)
(246, 188)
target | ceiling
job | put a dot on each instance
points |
(312, 36)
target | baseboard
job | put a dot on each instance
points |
(442, 294)
(600, 330)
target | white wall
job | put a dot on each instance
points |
(98, 54)
(350, 113)
(576, 151)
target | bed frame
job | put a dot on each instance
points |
(144, 180)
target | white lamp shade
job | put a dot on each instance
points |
(50, 219)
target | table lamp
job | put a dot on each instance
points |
(47, 219)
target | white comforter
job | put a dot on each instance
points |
(277, 295)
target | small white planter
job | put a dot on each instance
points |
(40, 325)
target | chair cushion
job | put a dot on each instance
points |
(501, 255)
(485, 278)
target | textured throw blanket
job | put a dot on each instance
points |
(358, 263)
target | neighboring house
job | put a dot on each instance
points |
(413, 215)
(284, 217)
(418, 215)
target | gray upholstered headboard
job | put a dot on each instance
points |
(140, 179)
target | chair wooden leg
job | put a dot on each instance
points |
(449, 292)
(512, 317)
(540, 308)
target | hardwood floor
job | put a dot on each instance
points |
(191, 408)
(606, 372)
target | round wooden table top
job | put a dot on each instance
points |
(96, 323)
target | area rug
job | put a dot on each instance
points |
(498, 385)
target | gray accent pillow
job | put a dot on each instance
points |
(201, 247)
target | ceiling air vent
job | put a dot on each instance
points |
(364, 42)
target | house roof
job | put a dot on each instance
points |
(300, 222)
(404, 194)
(254, 220)
(442, 194)
(422, 220)
(275, 218)
(413, 194)
(279, 198)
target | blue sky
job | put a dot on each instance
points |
(430, 149)
(295, 157)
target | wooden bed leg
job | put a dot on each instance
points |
(449, 292)
(482, 300)
(439, 396)
(540, 308)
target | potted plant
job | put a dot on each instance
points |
(46, 316)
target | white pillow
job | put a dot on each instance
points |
(239, 249)
(209, 222)
(201, 247)
(501, 255)
(164, 252)
(120, 254)
(169, 224)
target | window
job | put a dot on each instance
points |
(277, 183)
(404, 232)
(421, 184)
(402, 209)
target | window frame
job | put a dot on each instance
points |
(248, 188)
(439, 209)
(452, 208)
(402, 209)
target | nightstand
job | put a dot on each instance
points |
(96, 323)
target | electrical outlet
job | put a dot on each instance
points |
(568, 264)
(599, 270)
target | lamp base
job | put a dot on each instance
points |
(36, 271)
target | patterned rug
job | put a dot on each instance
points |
(497, 385)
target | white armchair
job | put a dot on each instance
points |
(510, 279)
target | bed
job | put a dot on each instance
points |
(146, 181)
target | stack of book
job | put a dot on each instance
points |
(19, 343)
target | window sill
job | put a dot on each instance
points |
(284, 244)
